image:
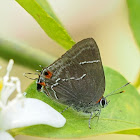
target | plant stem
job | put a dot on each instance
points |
(24, 55)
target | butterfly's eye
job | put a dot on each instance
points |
(103, 102)
(47, 74)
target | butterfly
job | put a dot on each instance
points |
(77, 79)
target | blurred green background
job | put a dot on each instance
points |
(105, 21)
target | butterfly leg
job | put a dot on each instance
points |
(65, 109)
(96, 115)
(90, 120)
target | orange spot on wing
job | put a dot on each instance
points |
(43, 84)
(99, 100)
(49, 75)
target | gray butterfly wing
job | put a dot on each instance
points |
(87, 54)
(67, 80)
(76, 77)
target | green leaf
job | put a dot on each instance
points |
(120, 116)
(46, 6)
(134, 18)
(43, 14)
(24, 55)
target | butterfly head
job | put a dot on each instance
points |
(103, 102)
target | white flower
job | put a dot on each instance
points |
(21, 111)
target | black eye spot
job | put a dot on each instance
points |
(39, 87)
(46, 73)
(103, 102)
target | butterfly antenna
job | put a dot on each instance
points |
(114, 92)
(25, 74)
